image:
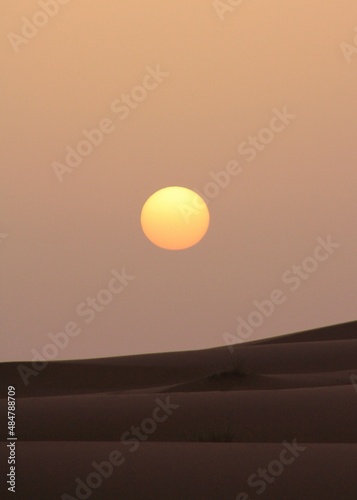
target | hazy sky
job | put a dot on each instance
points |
(180, 90)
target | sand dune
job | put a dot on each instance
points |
(252, 416)
(220, 417)
(197, 471)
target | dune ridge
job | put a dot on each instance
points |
(230, 414)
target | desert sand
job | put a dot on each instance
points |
(274, 419)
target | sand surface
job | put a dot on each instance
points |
(223, 419)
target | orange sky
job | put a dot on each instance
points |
(179, 91)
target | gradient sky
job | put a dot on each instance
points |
(226, 71)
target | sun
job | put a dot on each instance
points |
(175, 218)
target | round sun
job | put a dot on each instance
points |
(175, 218)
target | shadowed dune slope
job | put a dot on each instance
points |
(336, 351)
(192, 471)
(233, 411)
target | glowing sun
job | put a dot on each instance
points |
(175, 218)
